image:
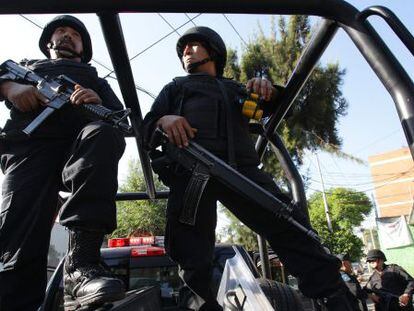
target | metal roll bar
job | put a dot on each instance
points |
(112, 30)
(336, 13)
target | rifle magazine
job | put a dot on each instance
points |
(192, 196)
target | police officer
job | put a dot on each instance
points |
(390, 287)
(204, 106)
(358, 295)
(68, 152)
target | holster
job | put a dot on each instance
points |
(193, 194)
(166, 169)
(162, 166)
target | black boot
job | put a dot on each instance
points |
(88, 284)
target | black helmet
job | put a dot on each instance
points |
(70, 21)
(343, 257)
(375, 254)
(213, 41)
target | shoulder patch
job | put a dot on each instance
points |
(345, 277)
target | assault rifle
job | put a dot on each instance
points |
(387, 297)
(203, 165)
(381, 292)
(58, 92)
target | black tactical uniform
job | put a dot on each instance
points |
(359, 296)
(393, 280)
(68, 152)
(200, 99)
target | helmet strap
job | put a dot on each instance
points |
(193, 66)
(68, 53)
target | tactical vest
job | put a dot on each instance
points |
(200, 100)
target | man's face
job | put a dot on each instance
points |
(376, 264)
(64, 41)
(347, 266)
(194, 52)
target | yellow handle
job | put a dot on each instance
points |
(250, 110)
(254, 96)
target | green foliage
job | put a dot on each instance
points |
(347, 209)
(232, 69)
(139, 217)
(238, 233)
(312, 120)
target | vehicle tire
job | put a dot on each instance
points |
(281, 296)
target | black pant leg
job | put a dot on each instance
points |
(90, 174)
(317, 271)
(29, 206)
(192, 247)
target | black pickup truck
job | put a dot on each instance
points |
(152, 277)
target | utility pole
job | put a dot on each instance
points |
(376, 216)
(325, 201)
(372, 238)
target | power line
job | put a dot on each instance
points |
(369, 189)
(139, 88)
(395, 177)
(188, 16)
(164, 37)
(358, 175)
(158, 41)
(168, 23)
(339, 168)
(234, 28)
(358, 181)
(378, 140)
(30, 21)
(337, 149)
(392, 178)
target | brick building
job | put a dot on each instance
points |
(393, 177)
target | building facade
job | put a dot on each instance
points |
(393, 178)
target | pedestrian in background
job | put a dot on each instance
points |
(390, 287)
(358, 295)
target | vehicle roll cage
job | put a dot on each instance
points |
(334, 13)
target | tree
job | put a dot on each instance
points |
(142, 217)
(232, 69)
(236, 232)
(347, 209)
(312, 120)
(314, 114)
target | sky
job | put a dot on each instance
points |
(370, 127)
